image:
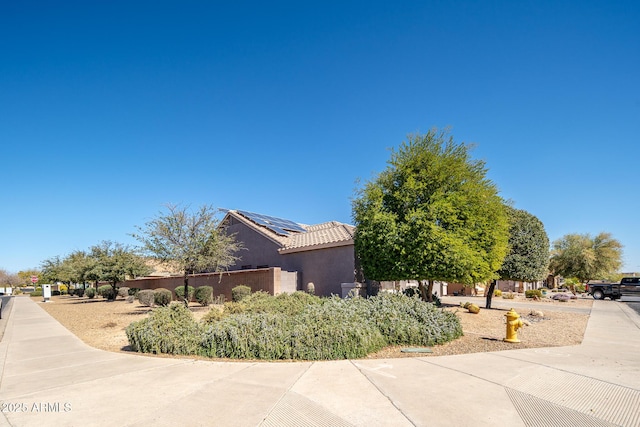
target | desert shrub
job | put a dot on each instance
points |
(180, 292)
(204, 295)
(90, 293)
(78, 292)
(497, 293)
(162, 297)
(240, 292)
(533, 293)
(107, 291)
(219, 300)
(169, 330)
(508, 295)
(145, 297)
(55, 293)
(134, 292)
(580, 288)
(36, 292)
(262, 302)
(212, 316)
(123, 292)
(130, 299)
(64, 289)
(408, 320)
(311, 288)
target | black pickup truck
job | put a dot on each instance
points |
(628, 286)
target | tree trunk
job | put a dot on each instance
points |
(430, 290)
(423, 290)
(186, 290)
(492, 287)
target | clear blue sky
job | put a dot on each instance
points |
(109, 110)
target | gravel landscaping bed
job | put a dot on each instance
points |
(100, 324)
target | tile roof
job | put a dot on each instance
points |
(326, 234)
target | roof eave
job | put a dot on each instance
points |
(284, 251)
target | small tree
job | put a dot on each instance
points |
(431, 215)
(114, 263)
(528, 256)
(190, 242)
(585, 257)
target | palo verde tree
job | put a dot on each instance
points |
(431, 215)
(585, 257)
(528, 256)
(190, 242)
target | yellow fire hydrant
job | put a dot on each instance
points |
(513, 324)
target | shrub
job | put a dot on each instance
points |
(497, 293)
(169, 330)
(240, 292)
(134, 292)
(508, 295)
(107, 291)
(64, 289)
(296, 326)
(55, 293)
(204, 295)
(180, 292)
(123, 292)
(311, 288)
(90, 293)
(78, 292)
(36, 292)
(212, 316)
(533, 293)
(146, 297)
(162, 297)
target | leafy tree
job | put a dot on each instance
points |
(585, 257)
(189, 242)
(114, 263)
(528, 256)
(431, 215)
(79, 267)
(8, 279)
(25, 276)
(52, 270)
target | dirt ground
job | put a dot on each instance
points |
(101, 324)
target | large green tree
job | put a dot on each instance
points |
(190, 242)
(585, 257)
(528, 256)
(431, 215)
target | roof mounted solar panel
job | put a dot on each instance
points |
(280, 226)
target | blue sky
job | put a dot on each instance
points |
(109, 110)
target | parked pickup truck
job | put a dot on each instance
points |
(628, 286)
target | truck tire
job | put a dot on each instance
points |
(598, 294)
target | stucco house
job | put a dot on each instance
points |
(322, 254)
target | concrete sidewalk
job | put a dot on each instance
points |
(49, 377)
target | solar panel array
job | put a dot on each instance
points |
(280, 226)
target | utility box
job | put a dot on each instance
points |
(46, 292)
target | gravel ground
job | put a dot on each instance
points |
(101, 324)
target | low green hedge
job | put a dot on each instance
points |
(296, 326)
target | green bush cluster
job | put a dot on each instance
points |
(90, 293)
(145, 297)
(240, 292)
(296, 326)
(107, 291)
(169, 330)
(36, 293)
(204, 295)
(123, 292)
(162, 297)
(533, 293)
(497, 293)
(180, 292)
